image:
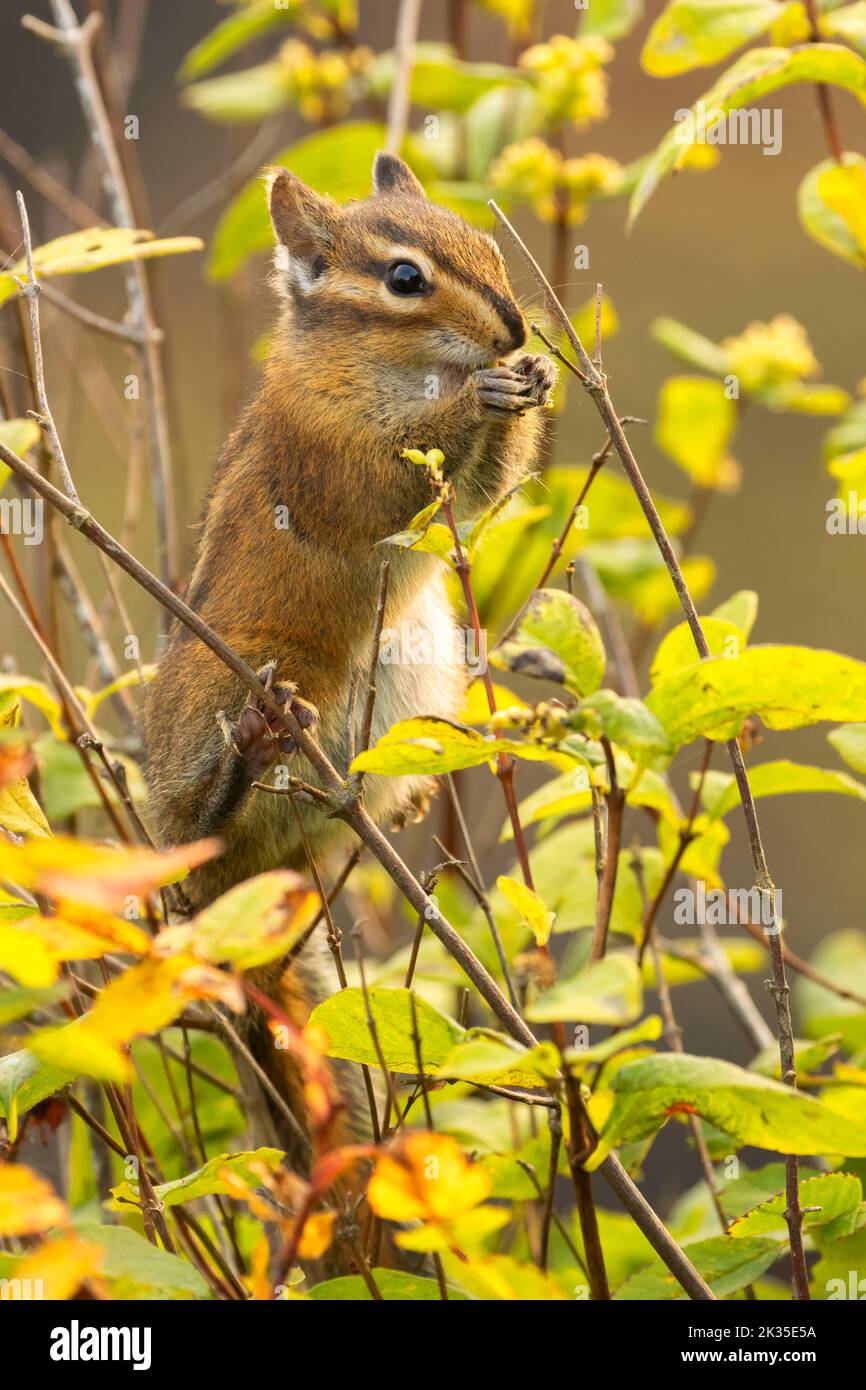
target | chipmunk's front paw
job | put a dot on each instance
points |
(524, 384)
(539, 373)
(257, 736)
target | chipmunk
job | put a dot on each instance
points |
(399, 330)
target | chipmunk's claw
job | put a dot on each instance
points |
(539, 373)
(257, 736)
(524, 384)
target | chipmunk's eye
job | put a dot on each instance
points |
(405, 278)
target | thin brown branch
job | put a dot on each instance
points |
(75, 42)
(408, 19)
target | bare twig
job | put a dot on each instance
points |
(30, 288)
(47, 185)
(615, 799)
(408, 18)
(75, 42)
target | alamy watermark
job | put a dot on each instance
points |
(412, 645)
(722, 907)
(712, 125)
(22, 516)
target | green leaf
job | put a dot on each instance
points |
(726, 1265)
(607, 992)
(741, 609)
(472, 533)
(809, 1056)
(834, 1194)
(753, 1186)
(691, 347)
(432, 746)
(24, 1082)
(252, 94)
(849, 436)
(697, 33)
(841, 957)
(787, 687)
(849, 740)
(255, 922)
(204, 1181)
(610, 19)
(831, 203)
(628, 722)
(19, 436)
(335, 161)
(66, 785)
(752, 1109)
(649, 1029)
(569, 794)
(18, 1003)
(838, 1273)
(557, 640)
(676, 651)
(848, 22)
(139, 1270)
(633, 570)
(344, 1017)
(781, 778)
(488, 1058)
(696, 421)
(93, 249)
(803, 398)
(442, 82)
(577, 905)
(394, 1285)
(754, 75)
(232, 34)
(426, 745)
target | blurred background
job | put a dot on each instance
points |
(715, 249)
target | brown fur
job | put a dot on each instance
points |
(347, 387)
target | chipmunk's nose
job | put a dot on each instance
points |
(515, 325)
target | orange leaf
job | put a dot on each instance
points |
(102, 876)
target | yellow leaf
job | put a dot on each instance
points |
(85, 933)
(28, 1204)
(425, 1177)
(20, 812)
(476, 710)
(530, 907)
(92, 249)
(142, 1000)
(37, 695)
(61, 1266)
(317, 1235)
(260, 1284)
(26, 958)
(92, 699)
(79, 1050)
(843, 189)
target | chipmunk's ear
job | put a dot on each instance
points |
(391, 175)
(304, 221)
